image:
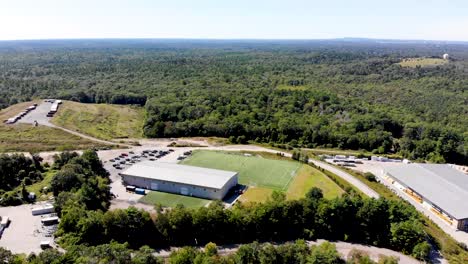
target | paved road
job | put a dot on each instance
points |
(348, 177)
(342, 247)
(340, 173)
(459, 236)
(344, 175)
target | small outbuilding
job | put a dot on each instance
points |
(180, 179)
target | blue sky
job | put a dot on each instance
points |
(255, 19)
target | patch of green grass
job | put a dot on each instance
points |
(423, 62)
(101, 120)
(171, 200)
(308, 177)
(254, 194)
(253, 170)
(26, 138)
(38, 186)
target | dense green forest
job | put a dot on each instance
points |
(334, 94)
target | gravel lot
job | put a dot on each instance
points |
(25, 231)
(39, 114)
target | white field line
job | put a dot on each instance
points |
(291, 177)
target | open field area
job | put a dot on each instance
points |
(423, 62)
(308, 177)
(264, 175)
(256, 194)
(253, 171)
(103, 121)
(38, 186)
(171, 200)
(26, 138)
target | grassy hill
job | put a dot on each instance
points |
(101, 120)
(25, 137)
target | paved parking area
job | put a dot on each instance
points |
(39, 114)
(25, 231)
(123, 199)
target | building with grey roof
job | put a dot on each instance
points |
(180, 179)
(438, 187)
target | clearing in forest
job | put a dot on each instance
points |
(423, 62)
(21, 137)
(103, 121)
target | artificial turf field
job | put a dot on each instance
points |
(171, 200)
(263, 175)
(253, 170)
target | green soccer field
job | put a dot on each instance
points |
(253, 170)
(171, 200)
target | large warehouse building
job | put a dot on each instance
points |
(438, 187)
(180, 179)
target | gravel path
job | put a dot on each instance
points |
(349, 178)
(39, 115)
(342, 247)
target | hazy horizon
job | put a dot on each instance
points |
(432, 20)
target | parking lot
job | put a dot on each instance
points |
(25, 232)
(39, 114)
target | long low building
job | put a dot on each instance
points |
(180, 179)
(438, 187)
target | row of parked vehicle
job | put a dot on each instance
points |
(131, 157)
(20, 115)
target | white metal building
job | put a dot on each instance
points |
(180, 179)
(438, 187)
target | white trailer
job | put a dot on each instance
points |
(45, 209)
(50, 220)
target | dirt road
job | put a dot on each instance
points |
(342, 247)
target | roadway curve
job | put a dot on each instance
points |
(86, 136)
(340, 173)
(347, 177)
